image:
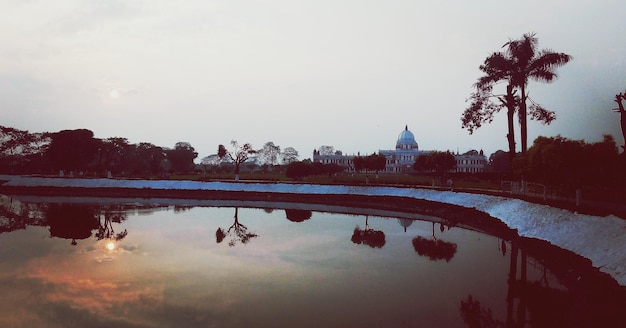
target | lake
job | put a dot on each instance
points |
(86, 262)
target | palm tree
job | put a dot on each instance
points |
(497, 68)
(530, 63)
(519, 63)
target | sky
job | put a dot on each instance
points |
(345, 73)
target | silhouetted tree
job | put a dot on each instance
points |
(517, 65)
(436, 161)
(530, 63)
(72, 149)
(114, 153)
(622, 112)
(374, 162)
(500, 162)
(181, 157)
(560, 160)
(298, 170)
(241, 154)
(483, 106)
(146, 158)
(21, 150)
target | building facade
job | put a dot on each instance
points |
(401, 159)
(471, 162)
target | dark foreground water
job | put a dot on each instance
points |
(74, 264)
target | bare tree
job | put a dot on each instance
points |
(620, 109)
(239, 155)
(326, 150)
(289, 155)
(269, 153)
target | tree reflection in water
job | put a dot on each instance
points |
(298, 215)
(370, 237)
(476, 316)
(537, 304)
(77, 222)
(237, 231)
(105, 227)
(434, 248)
(67, 221)
(71, 221)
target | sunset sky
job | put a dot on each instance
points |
(345, 73)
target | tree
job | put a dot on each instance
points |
(298, 170)
(269, 153)
(181, 157)
(520, 62)
(622, 112)
(558, 160)
(326, 150)
(72, 149)
(483, 108)
(529, 63)
(374, 162)
(145, 158)
(436, 161)
(20, 149)
(241, 154)
(113, 153)
(499, 162)
(289, 155)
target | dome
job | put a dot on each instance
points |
(406, 140)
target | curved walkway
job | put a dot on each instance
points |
(600, 239)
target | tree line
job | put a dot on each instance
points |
(77, 151)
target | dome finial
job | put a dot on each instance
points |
(406, 127)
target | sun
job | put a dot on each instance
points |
(114, 94)
(110, 246)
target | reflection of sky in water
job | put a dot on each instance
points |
(170, 271)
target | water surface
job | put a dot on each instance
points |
(76, 264)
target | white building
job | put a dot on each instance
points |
(401, 159)
(471, 162)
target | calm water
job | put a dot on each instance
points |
(74, 264)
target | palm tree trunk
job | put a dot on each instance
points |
(510, 105)
(622, 113)
(523, 120)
